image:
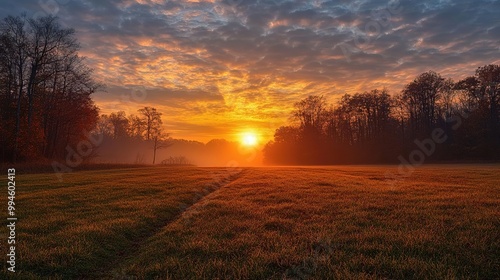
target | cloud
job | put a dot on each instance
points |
(214, 63)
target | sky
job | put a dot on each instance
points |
(217, 69)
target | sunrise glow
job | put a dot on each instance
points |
(249, 139)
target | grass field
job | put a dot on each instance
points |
(341, 222)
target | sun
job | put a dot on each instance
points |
(249, 139)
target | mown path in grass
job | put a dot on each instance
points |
(115, 268)
(84, 226)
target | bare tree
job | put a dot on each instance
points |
(310, 112)
(120, 124)
(15, 43)
(137, 126)
(161, 141)
(152, 120)
(421, 97)
(47, 41)
(489, 76)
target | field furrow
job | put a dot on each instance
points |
(116, 266)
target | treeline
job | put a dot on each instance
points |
(122, 133)
(146, 125)
(375, 127)
(178, 160)
(45, 89)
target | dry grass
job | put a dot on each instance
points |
(85, 225)
(267, 223)
(46, 167)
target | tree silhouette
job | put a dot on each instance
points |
(160, 141)
(45, 89)
(152, 120)
(421, 97)
(374, 127)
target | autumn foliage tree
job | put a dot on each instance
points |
(45, 89)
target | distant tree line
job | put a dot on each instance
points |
(178, 160)
(375, 127)
(45, 89)
(147, 125)
(120, 130)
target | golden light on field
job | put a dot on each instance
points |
(249, 139)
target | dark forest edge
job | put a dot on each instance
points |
(433, 119)
(45, 89)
